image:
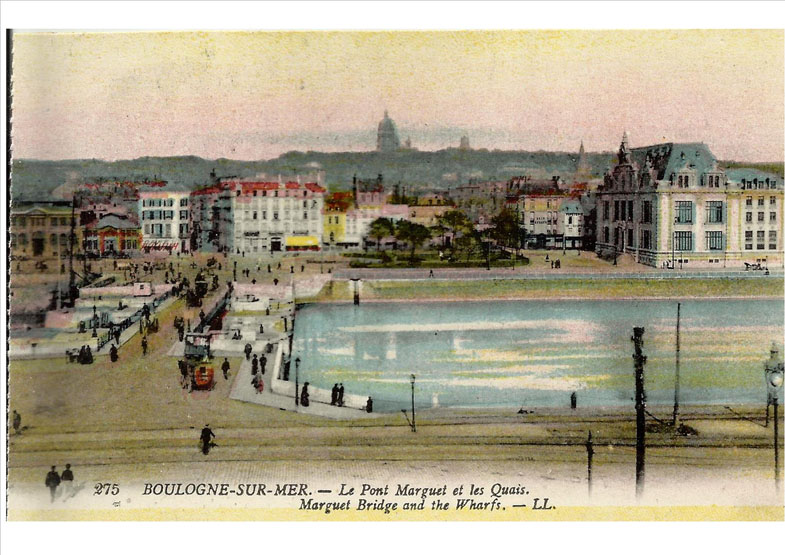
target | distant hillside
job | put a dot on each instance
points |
(36, 179)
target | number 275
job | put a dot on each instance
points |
(106, 489)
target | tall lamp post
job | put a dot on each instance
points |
(414, 422)
(774, 379)
(297, 382)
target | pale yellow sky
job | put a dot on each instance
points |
(256, 95)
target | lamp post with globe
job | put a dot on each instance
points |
(774, 369)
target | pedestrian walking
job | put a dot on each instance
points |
(225, 368)
(340, 395)
(248, 350)
(255, 365)
(334, 395)
(113, 353)
(263, 362)
(206, 438)
(67, 479)
(369, 405)
(302, 268)
(144, 346)
(261, 329)
(16, 422)
(305, 396)
(269, 270)
(52, 481)
(430, 273)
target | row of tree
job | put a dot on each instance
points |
(464, 238)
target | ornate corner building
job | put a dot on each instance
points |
(671, 205)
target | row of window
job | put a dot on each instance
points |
(761, 217)
(164, 230)
(683, 240)
(20, 239)
(163, 214)
(254, 215)
(21, 221)
(761, 201)
(163, 202)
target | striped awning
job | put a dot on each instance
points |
(302, 241)
(159, 244)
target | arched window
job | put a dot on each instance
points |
(63, 240)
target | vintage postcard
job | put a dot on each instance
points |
(395, 275)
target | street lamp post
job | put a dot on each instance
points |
(297, 382)
(775, 369)
(414, 422)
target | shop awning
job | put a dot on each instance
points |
(159, 244)
(302, 241)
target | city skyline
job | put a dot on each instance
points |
(253, 96)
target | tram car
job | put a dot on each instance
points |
(198, 361)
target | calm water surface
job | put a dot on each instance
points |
(535, 354)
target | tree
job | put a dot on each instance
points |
(412, 233)
(504, 228)
(381, 228)
(456, 222)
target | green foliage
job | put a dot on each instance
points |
(504, 228)
(412, 233)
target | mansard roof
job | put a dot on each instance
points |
(668, 158)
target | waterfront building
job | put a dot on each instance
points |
(673, 205)
(571, 223)
(165, 215)
(257, 217)
(112, 234)
(336, 206)
(43, 229)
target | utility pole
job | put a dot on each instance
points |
(73, 292)
(590, 456)
(414, 422)
(640, 411)
(678, 352)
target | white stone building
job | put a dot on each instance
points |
(164, 218)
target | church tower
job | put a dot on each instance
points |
(584, 168)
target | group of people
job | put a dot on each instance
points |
(85, 355)
(555, 264)
(336, 398)
(258, 368)
(54, 480)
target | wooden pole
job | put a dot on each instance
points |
(678, 353)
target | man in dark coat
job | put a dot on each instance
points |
(67, 479)
(52, 481)
(340, 395)
(144, 345)
(248, 350)
(17, 422)
(113, 353)
(206, 437)
(263, 362)
(334, 395)
(255, 364)
(225, 368)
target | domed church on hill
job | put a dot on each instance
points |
(387, 136)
